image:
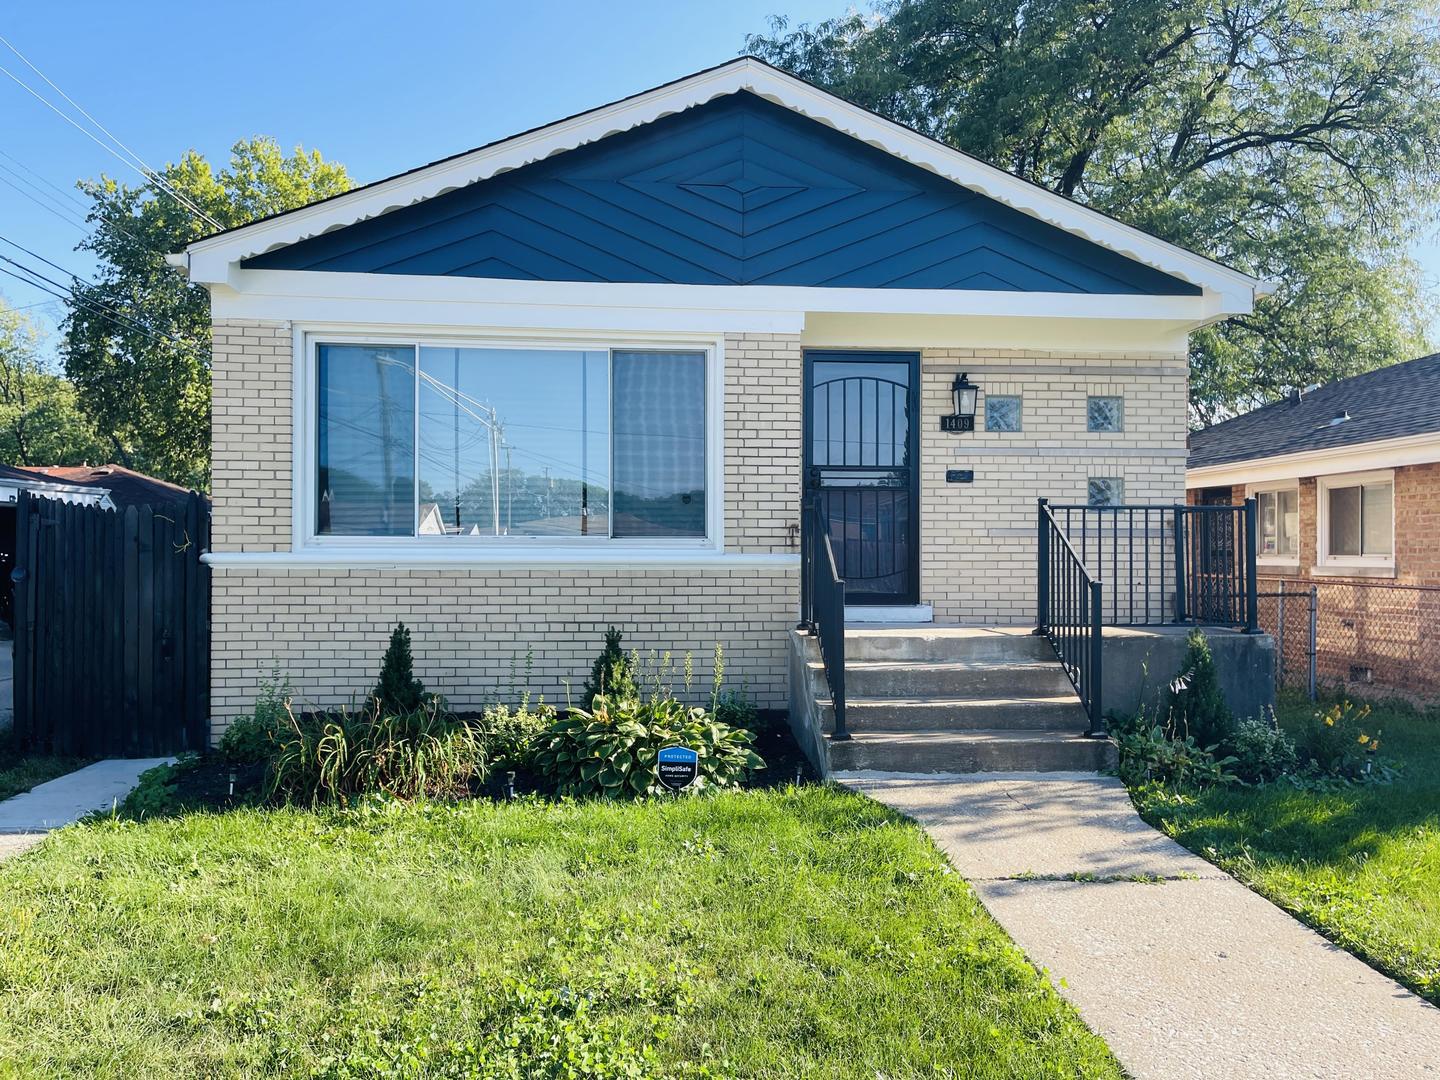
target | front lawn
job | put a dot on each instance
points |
(1359, 863)
(797, 932)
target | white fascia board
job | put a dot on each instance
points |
(1360, 457)
(210, 259)
(292, 295)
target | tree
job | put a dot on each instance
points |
(40, 421)
(137, 341)
(1298, 140)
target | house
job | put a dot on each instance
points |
(589, 374)
(1346, 478)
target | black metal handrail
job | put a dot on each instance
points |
(822, 605)
(1070, 602)
(1167, 563)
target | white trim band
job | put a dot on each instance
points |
(389, 559)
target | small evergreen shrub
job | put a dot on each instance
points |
(254, 739)
(612, 750)
(1196, 706)
(424, 753)
(612, 673)
(1336, 741)
(398, 691)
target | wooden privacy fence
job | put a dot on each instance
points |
(112, 628)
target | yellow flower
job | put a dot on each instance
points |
(1374, 744)
(1329, 721)
(1363, 738)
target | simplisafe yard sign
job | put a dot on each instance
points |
(677, 767)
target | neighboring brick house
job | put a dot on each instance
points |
(1347, 480)
(582, 377)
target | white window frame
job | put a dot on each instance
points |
(1323, 486)
(1254, 490)
(497, 549)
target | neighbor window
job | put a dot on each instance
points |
(1279, 513)
(1002, 412)
(1359, 518)
(1105, 413)
(524, 442)
(1105, 491)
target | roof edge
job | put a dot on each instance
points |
(208, 260)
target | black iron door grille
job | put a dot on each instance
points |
(861, 457)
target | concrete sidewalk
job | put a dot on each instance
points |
(1184, 971)
(25, 818)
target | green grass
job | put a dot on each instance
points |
(799, 932)
(20, 771)
(1360, 864)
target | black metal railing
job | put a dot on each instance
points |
(1099, 566)
(1166, 564)
(1070, 605)
(822, 605)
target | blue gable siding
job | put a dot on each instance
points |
(738, 191)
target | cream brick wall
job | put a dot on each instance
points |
(326, 629)
(977, 559)
(471, 629)
(250, 470)
(763, 413)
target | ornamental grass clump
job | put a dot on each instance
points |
(425, 753)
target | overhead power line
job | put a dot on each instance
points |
(133, 160)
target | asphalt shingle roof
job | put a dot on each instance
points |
(1388, 403)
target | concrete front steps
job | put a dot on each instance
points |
(949, 700)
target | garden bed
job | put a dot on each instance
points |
(783, 933)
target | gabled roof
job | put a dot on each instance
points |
(210, 260)
(1389, 403)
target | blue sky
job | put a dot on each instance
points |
(381, 87)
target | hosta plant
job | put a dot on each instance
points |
(611, 751)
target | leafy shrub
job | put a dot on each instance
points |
(509, 733)
(612, 750)
(398, 690)
(612, 673)
(1196, 705)
(254, 739)
(1261, 751)
(1336, 741)
(735, 710)
(1156, 752)
(154, 794)
(427, 752)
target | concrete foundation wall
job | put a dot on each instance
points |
(1141, 663)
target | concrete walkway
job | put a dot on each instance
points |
(26, 818)
(1184, 971)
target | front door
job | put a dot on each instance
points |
(862, 455)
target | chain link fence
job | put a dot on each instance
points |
(1373, 638)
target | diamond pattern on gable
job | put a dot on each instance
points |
(738, 191)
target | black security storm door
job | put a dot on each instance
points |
(862, 456)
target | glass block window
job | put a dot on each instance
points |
(1105, 491)
(1105, 413)
(1002, 412)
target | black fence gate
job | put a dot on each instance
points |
(112, 628)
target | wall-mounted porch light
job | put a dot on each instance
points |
(965, 394)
